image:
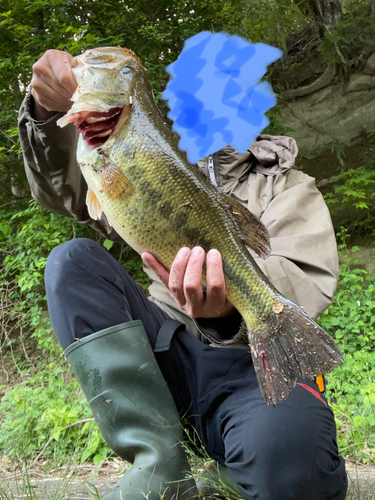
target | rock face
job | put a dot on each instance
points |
(365, 255)
(370, 66)
(331, 127)
(360, 82)
(337, 115)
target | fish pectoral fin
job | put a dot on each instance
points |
(254, 233)
(114, 182)
(93, 205)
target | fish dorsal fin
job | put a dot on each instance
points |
(254, 234)
(93, 205)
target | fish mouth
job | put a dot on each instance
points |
(96, 127)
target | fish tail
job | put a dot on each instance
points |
(292, 346)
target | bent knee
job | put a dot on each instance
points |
(64, 258)
(289, 481)
(286, 454)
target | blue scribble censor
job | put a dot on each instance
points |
(214, 95)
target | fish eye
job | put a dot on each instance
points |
(125, 70)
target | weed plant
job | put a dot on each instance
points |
(53, 483)
(351, 389)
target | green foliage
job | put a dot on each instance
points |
(354, 194)
(48, 406)
(352, 393)
(27, 238)
(348, 37)
(49, 401)
(352, 315)
(44, 405)
(351, 322)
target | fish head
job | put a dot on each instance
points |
(108, 79)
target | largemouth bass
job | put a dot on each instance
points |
(158, 202)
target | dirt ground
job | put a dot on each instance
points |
(75, 483)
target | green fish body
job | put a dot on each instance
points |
(158, 202)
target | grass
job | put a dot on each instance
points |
(60, 483)
(21, 486)
(56, 481)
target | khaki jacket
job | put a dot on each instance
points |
(303, 264)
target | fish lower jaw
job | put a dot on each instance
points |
(97, 127)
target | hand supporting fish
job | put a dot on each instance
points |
(184, 282)
(159, 203)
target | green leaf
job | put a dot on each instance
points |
(98, 459)
(108, 244)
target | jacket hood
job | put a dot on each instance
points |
(268, 155)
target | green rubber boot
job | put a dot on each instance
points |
(135, 412)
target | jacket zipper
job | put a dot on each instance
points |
(211, 170)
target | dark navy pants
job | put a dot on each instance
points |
(283, 453)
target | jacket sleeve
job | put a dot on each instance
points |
(54, 177)
(303, 264)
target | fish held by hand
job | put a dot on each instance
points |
(158, 202)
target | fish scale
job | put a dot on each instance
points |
(158, 202)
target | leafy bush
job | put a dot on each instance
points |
(351, 318)
(355, 194)
(27, 238)
(351, 322)
(352, 393)
(49, 401)
(346, 40)
(50, 405)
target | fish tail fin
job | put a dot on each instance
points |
(292, 346)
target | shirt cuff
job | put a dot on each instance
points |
(29, 107)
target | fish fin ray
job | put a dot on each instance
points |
(114, 181)
(93, 205)
(254, 234)
(108, 221)
(293, 347)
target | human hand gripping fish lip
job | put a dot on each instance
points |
(97, 119)
(141, 181)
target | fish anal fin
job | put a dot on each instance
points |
(108, 221)
(254, 234)
(114, 182)
(93, 205)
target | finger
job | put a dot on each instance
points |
(177, 274)
(50, 100)
(45, 82)
(62, 69)
(49, 70)
(157, 267)
(49, 85)
(193, 282)
(216, 292)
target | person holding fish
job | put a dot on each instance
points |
(184, 350)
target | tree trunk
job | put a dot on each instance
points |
(326, 12)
